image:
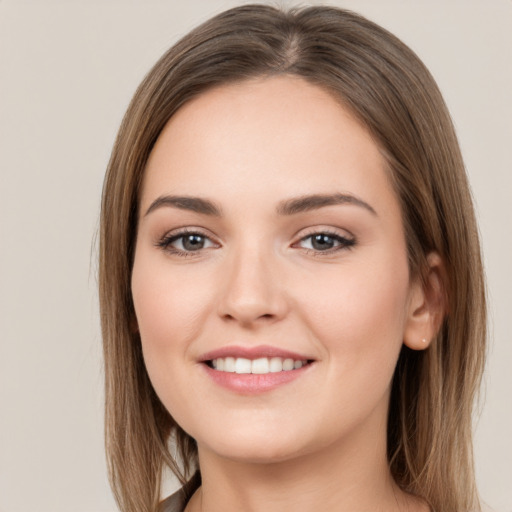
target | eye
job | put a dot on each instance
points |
(185, 242)
(325, 242)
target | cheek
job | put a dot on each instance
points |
(169, 308)
(358, 322)
(359, 314)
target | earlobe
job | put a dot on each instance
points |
(427, 306)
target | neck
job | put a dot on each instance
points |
(350, 475)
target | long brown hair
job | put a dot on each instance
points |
(387, 88)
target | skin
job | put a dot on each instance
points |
(258, 279)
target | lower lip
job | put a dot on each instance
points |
(252, 383)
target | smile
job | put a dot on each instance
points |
(254, 370)
(259, 366)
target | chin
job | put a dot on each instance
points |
(257, 447)
(257, 454)
(254, 447)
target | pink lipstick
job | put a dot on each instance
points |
(251, 370)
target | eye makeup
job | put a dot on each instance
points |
(192, 242)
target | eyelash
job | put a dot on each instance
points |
(344, 243)
(167, 240)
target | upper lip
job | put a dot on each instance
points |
(253, 353)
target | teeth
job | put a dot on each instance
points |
(276, 365)
(287, 365)
(243, 365)
(259, 366)
(229, 364)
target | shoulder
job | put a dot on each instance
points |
(177, 502)
(174, 503)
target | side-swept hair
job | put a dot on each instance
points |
(384, 84)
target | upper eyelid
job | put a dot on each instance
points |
(328, 233)
(179, 232)
(339, 232)
(310, 231)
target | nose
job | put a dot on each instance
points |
(252, 289)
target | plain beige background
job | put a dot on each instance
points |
(67, 72)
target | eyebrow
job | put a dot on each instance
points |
(316, 201)
(193, 204)
(287, 207)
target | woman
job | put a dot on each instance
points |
(291, 286)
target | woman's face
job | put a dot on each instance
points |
(270, 237)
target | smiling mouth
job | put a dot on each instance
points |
(252, 370)
(259, 366)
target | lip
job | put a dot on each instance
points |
(253, 353)
(250, 383)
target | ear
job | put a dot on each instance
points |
(427, 305)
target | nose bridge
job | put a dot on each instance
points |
(252, 287)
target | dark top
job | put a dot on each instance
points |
(178, 501)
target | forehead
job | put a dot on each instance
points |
(263, 139)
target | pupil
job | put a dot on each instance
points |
(322, 242)
(193, 242)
